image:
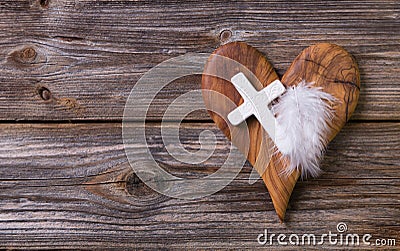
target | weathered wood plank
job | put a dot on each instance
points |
(70, 186)
(89, 54)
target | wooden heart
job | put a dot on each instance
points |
(326, 65)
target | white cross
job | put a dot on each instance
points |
(255, 103)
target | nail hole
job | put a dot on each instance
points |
(225, 35)
(44, 93)
(44, 3)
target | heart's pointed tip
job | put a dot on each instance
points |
(280, 187)
(281, 217)
(281, 213)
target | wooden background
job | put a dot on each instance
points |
(66, 70)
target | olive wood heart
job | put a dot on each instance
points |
(326, 65)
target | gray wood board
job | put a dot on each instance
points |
(89, 54)
(70, 186)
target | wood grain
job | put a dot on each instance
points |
(89, 54)
(70, 186)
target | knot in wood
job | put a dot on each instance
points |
(44, 3)
(136, 187)
(27, 55)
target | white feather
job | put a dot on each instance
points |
(303, 115)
